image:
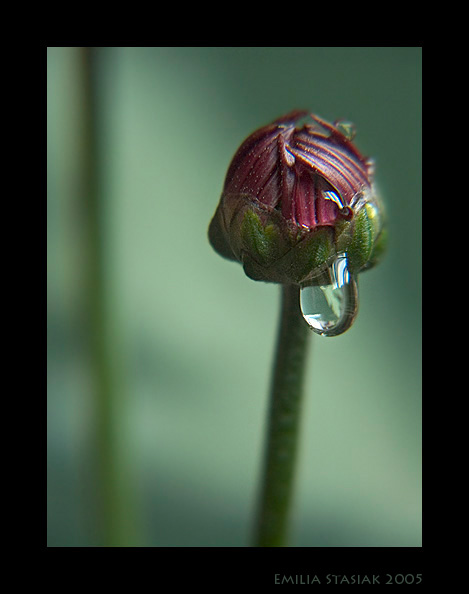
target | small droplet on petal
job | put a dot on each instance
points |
(347, 129)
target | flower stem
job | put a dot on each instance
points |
(115, 526)
(272, 521)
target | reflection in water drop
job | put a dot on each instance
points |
(330, 309)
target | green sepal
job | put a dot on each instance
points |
(379, 249)
(217, 236)
(310, 256)
(263, 243)
(360, 246)
(343, 235)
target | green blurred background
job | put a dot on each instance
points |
(190, 338)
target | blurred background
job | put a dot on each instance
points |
(159, 351)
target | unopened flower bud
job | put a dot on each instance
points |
(294, 199)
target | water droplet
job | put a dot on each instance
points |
(330, 308)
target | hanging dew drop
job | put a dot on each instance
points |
(330, 308)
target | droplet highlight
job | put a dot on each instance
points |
(330, 308)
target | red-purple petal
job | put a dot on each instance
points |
(311, 174)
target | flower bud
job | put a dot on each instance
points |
(294, 198)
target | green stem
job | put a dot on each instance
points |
(272, 522)
(115, 525)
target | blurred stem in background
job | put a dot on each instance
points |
(274, 511)
(116, 526)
